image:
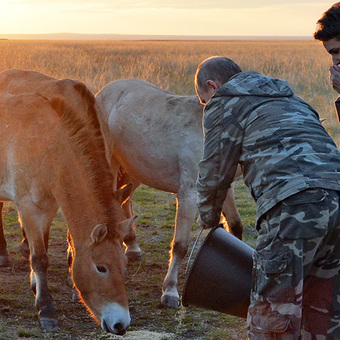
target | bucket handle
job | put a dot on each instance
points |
(193, 248)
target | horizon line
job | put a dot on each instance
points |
(112, 36)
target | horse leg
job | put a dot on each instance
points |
(4, 262)
(231, 214)
(36, 227)
(185, 216)
(133, 251)
(117, 172)
(120, 178)
(24, 249)
(75, 295)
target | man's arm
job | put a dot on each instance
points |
(222, 145)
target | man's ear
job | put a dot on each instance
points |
(212, 84)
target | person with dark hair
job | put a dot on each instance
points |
(328, 32)
(292, 168)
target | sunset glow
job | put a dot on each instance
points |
(169, 17)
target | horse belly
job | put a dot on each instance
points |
(6, 194)
(155, 172)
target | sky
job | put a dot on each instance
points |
(163, 17)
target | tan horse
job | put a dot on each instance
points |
(17, 81)
(157, 138)
(52, 156)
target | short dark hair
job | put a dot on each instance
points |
(329, 24)
(216, 68)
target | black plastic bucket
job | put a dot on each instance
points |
(220, 276)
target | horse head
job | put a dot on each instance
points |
(98, 273)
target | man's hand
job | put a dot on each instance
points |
(201, 223)
(335, 77)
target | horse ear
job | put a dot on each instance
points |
(123, 193)
(99, 232)
(126, 225)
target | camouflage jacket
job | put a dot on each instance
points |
(277, 138)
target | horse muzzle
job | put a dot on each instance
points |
(115, 319)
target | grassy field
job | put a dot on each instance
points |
(171, 66)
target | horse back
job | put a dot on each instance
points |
(67, 96)
(152, 132)
(75, 129)
(73, 92)
(146, 110)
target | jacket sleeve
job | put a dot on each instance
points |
(337, 106)
(222, 148)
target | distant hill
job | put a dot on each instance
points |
(76, 36)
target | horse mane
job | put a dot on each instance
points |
(83, 129)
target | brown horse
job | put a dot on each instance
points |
(17, 81)
(52, 155)
(157, 138)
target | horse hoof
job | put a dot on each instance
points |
(170, 301)
(133, 256)
(4, 262)
(49, 324)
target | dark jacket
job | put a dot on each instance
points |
(337, 106)
(277, 138)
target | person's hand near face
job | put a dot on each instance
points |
(335, 77)
(332, 46)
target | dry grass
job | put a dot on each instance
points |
(171, 66)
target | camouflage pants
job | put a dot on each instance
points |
(296, 285)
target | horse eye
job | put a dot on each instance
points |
(101, 269)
